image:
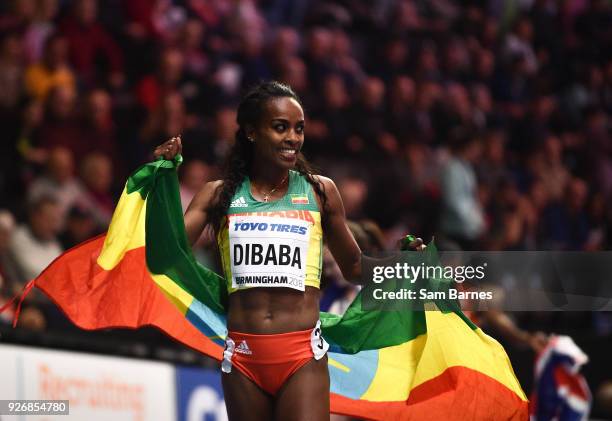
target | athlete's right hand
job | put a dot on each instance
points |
(169, 149)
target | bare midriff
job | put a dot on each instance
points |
(273, 310)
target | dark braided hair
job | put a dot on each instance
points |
(240, 159)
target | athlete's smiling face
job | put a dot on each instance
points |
(279, 136)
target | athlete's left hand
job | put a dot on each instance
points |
(415, 244)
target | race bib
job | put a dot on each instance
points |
(268, 252)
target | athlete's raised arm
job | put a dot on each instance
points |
(339, 239)
(196, 217)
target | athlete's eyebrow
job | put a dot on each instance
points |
(284, 120)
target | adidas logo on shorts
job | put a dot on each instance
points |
(243, 348)
(239, 203)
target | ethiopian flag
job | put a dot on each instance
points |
(402, 365)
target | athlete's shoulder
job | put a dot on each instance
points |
(322, 178)
(326, 182)
(208, 194)
(211, 188)
(333, 201)
(214, 184)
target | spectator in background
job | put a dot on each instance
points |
(31, 119)
(483, 112)
(40, 29)
(484, 67)
(89, 42)
(34, 245)
(328, 121)
(11, 87)
(547, 166)
(152, 89)
(343, 60)
(428, 96)
(566, 222)
(53, 71)
(284, 45)
(597, 223)
(427, 67)
(221, 139)
(80, 226)
(97, 177)
(318, 55)
(9, 276)
(455, 111)
(11, 72)
(295, 74)
(58, 182)
(99, 130)
(402, 100)
(368, 110)
(245, 20)
(251, 59)
(166, 120)
(462, 218)
(420, 197)
(191, 42)
(509, 216)
(599, 146)
(456, 61)
(492, 168)
(140, 16)
(536, 125)
(169, 119)
(394, 60)
(141, 35)
(11, 279)
(60, 126)
(20, 14)
(518, 43)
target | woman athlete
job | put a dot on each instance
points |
(270, 214)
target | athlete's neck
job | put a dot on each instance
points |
(268, 177)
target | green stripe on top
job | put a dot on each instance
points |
(300, 195)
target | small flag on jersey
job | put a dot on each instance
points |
(561, 392)
(299, 199)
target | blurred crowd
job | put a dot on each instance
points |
(486, 123)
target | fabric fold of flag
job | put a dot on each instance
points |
(408, 365)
